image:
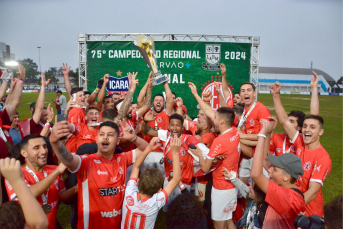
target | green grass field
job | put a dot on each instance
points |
(330, 110)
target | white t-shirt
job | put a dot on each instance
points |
(141, 213)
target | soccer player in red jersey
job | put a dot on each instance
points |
(144, 196)
(237, 99)
(40, 113)
(224, 193)
(44, 181)
(316, 161)
(101, 176)
(186, 158)
(285, 201)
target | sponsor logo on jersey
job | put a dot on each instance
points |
(234, 137)
(101, 172)
(108, 191)
(159, 119)
(130, 200)
(316, 168)
(278, 150)
(201, 194)
(118, 160)
(252, 122)
(121, 170)
(97, 161)
(160, 199)
(6, 132)
(292, 148)
(217, 149)
(87, 136)
(111, 214)
(183, 152)
(307, 166)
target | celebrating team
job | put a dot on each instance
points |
(228, 154)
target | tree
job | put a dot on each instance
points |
(51, 74)
(32, 74)
(74, 77)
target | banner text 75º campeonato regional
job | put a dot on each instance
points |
(183, 62)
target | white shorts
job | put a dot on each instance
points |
(245, 167)
(200, 190)
(223, 204)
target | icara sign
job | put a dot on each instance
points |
(119, 85)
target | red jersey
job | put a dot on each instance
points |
(285, 205)
(186, 159)
(101, 189)
(226, 144)
(208, 139)
(252, 122)
(190, 125)
(52, 193)
(36, 128)
(317, 165)
(280, 144)
(161, 122)
(101, 115)
(76, 115)
(84, 135)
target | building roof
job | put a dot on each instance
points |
(297, 71)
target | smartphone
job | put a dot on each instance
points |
(192, 146)
(74, 97)
(61, 117)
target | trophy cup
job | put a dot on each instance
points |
(147, 50)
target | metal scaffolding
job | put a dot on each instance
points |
(83, 38)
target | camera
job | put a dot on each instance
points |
(312, 222)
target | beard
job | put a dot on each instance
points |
(162, 108)
(198, 131)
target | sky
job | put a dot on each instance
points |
(292, 32)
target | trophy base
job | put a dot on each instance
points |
(159, 78)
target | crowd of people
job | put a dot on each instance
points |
(224, 169)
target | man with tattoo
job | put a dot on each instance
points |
(101, 176)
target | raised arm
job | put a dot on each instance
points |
(225, 87)
(141, 95)
(67, 84)
(220, 95)
(129, 134)
(15, 97)
(257, 165)
(204, 106)
(92, 97)
(46, 129)
(102, 91)
(40, 188)
(139, 161)
(147, 101)
(60, 130)
(175, 145)
(149, 116)
(4, 84)
(41, 99)
(33, 213)
(169, 98)
(127, 101)
(314, 107)
(280, 111)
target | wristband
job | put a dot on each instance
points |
(5, 80)
(145, 121)
(47, 125)
(96, 90)
(134, 139)
(58, 171)
(66, 74)
(262, 135)
(181, 187)
(19, 81)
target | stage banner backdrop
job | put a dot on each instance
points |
(183, 62)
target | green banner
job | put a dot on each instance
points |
(183, 62)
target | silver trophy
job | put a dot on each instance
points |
(147, 50)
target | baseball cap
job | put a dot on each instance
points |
(183, 108)
(289, 162)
